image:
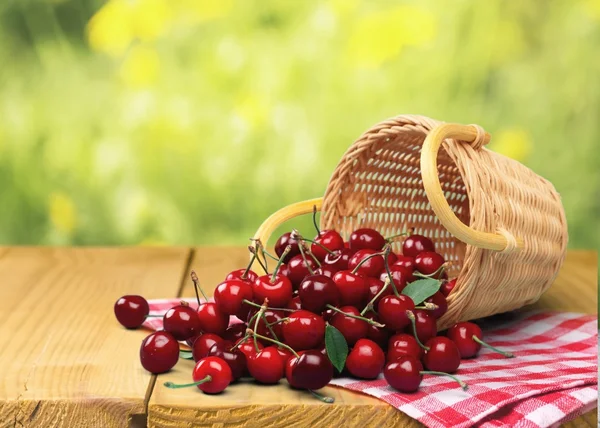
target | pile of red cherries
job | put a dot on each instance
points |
(326, 308)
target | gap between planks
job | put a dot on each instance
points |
(135, 422)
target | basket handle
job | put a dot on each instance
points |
(431, 182)
(284, 214)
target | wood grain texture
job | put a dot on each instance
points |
(64, 360)
(249, 405)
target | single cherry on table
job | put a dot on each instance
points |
(182, 322)
(131, 311)
(442, 355)
(159, 352)
(366, 360)
(311, 371)
(468, 337)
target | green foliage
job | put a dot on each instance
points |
(183, 122)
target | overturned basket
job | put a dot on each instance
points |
(502, 226)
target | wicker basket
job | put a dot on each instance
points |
(502, 226)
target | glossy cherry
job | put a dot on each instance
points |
(439, 300)
(379, 335)
(339, 259)
(212, 320)
(401, 345)
(159, 352)
(272, 317)
(375, 286)
(217, 373)
(391, 258)
(429, 263)
(235, 332)
(243, 275)
(235, 359)
(295, 304)
(303, 330)
(312, 371)
(230, 295)
(366, 360)
(182, 322)
(366, 238)
(369, 265)
(326, 270)
(402, 276)
(284, 353)
(131, 310)
(278, 291)
(351, 328)
(329, 239)
(247, 347)
(299, 269)
(425, 325)
(318, 291)
(267, 366)
(415, 244)
(405, 262)
(447, 287)
(392, 311)
(353, 288)
(281, 244)
(468, 338)
(442, 355)
(404, 374)
(203, 344)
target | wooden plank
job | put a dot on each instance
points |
(64, 359)
(248, 404)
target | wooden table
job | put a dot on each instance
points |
(66, 362)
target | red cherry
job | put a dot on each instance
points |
(329, 239)
(249, 278)
(404, 374)
(191, 340)
(413, 245)
(366, 360)
(159, 352)
(392, 311)
(391, 258)
(235, 332)
(401, 345)
(425, 325)
(406, 262)
(318, 291)
(375, 286)
(339, 259)
(366, 238)
(311, 371)
(216, 370)
(234, 358)
(284, 353)
(267, 366)
(230, 296)
(295, 304)
(284, 270)
(326, 270)
(281, 244)
(447, 287)
(131, 311)
(377, 334)
(429, 262)
(327, 315)
(401, 276)
(462, 335)
(303, 330)
(182, 322)
(442, 356)
(370, 267)
(212, 320)
(270, 316)
(203, 344)
(439, 300)
(352, 287)
(351, 328)
(279, 292)
(299, 270)
(247, 347)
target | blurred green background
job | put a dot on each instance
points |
(189, 121)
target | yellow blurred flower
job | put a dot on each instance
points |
(381, 36)
(151, 18)
(141, 67)
(592, 8)
(63, 214)
(342, 7)
(204, 10)
(253, 110)
(514, 143)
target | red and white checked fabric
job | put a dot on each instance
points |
(552, 379)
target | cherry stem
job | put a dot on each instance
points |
(323, 398)
(270, 329)
(319, 244)
(197, 287)
(301, 247)
(432, 275)
(277, 342)
(378, 254)
(411, 317)
(369, 306)
(428, 306)
(239, 342)
(391, 238)
(462, 384)
(172, 385)
(262, 265)
(259, 315)
(270, 255)
(245, 274)
(278, 321)
(280, 261)
(358, 317)
(487, 345)
(314, 216)
(256, 305)
(387, 269)
(154, 316)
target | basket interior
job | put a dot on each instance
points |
(383, 189)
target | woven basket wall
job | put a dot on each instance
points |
(501, 225)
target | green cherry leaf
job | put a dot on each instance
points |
(422, 289)
(186, 355)
(336, 346)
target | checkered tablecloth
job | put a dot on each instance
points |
(552, 379)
